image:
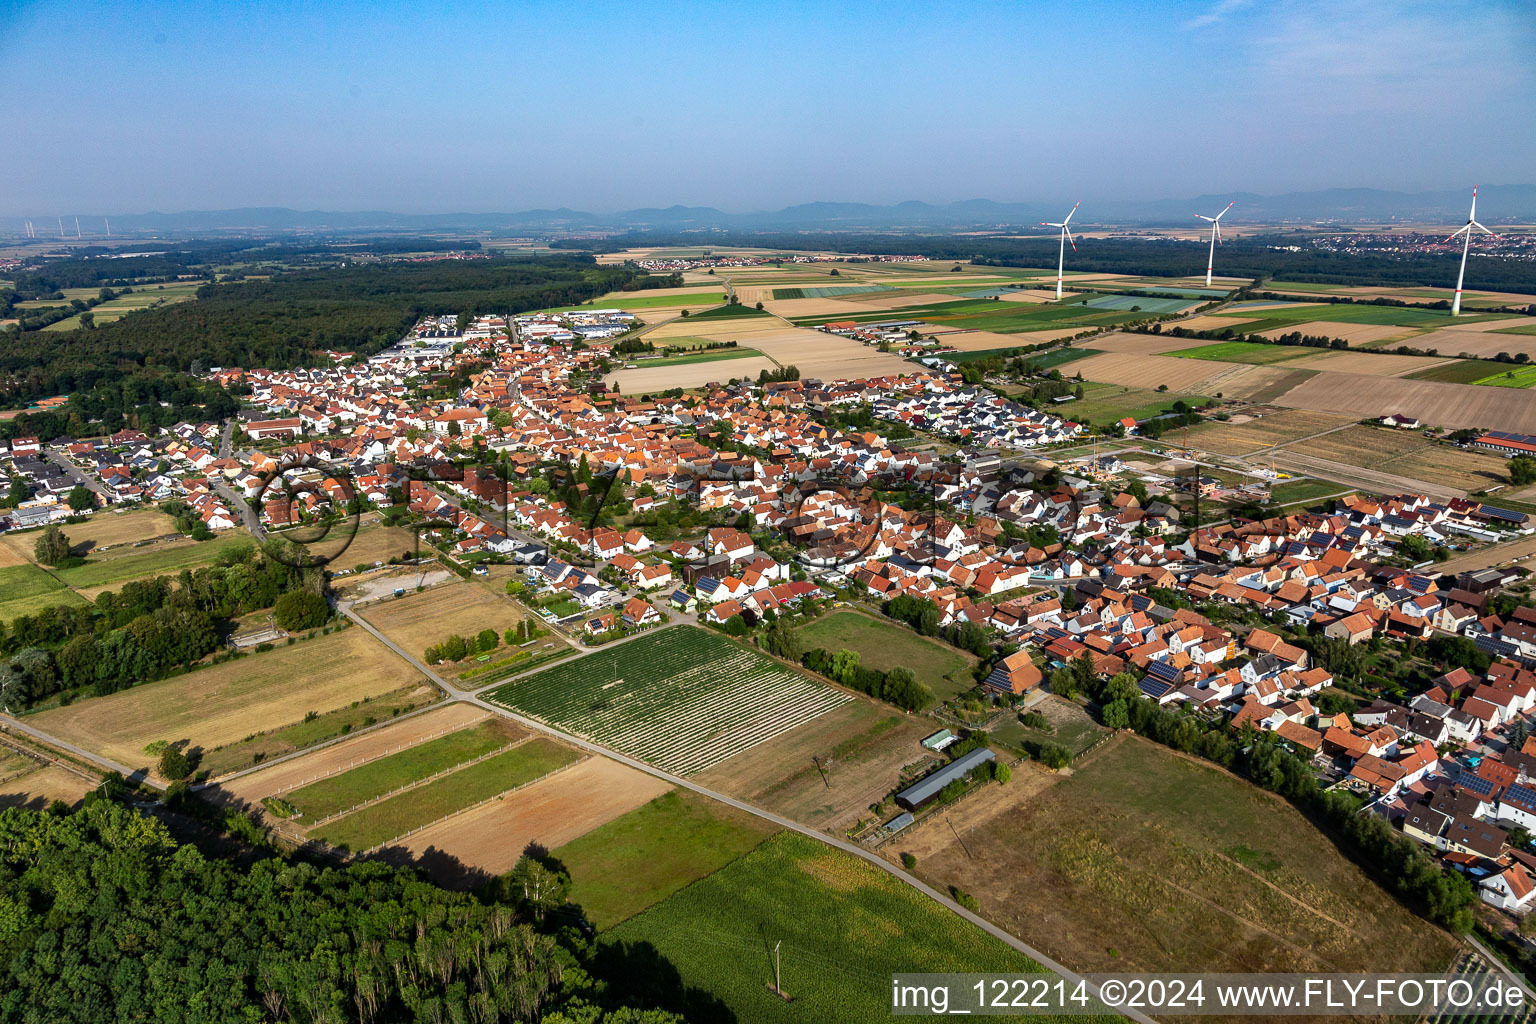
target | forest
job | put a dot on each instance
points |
(291, 318)
(105, 917)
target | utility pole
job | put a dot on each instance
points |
(817, 762)
(778, 989)
(961, 841)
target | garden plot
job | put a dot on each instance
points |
(682, 699)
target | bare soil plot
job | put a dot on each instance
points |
(488, 840)
(376, 743)
(224, 703)
(1382, 365)
(1499, 554)
(1241, 876)
(1355, 334)
(985, 341)
(38, 788)
(1439, 404)
(420, 620)
(1476, 344)
(861, 747)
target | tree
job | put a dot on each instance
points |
(52, 546)
(487, 640)
(1522, 470)
(537, 888)
(174, 764)
(1117, 715)
(88, 320)
(299, 610)
(81, 499)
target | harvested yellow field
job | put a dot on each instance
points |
(101, 530)
(654, 379)
(1283, 427)
(1355, 334)
(1141, 369)
(983, 341)
(420, 620)
(1366, 362)
(1457, 406)
(1207, 322)
(816, 353)
(225, 703)
(1036, 337)
(40, 787)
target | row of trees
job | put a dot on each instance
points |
(457, 648)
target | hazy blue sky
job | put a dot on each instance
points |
(127, 107)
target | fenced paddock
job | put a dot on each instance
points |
(681, 699)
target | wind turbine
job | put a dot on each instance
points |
(1066, 236)
(1466, 229)
(1215, 237)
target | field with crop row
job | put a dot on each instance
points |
(682, 699)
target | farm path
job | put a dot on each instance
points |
(133, 775)
(741, 805)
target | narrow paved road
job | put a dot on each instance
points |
(239, 504)
(13, 724)
(857, 851)
(77, 475)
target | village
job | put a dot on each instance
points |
(738, 506)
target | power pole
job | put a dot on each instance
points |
(817, 762)
(961, 841)
(777, 987)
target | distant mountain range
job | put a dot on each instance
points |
(1498, 204)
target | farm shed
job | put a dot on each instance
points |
(920, 792)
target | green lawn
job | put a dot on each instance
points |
(1246, 352)
(384, 821)
(885, 645)
(640, 858)
(1523, 329)
(155, 560)
(1294, 492)
(843, 927)
(1071, 727)
(1511, 377)
(710, 356)
(1463, 371)
(1105, 403)
(26, 589)
(337, 793)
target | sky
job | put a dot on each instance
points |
(414, 108)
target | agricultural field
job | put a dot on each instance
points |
(709, 356)
(1306, 492)
(142, 298)
(224, 703)
(1254, 433)
(1453, 406)
(642, 857)
(884, 645)
(476, 845)
(38, 786)
(374, 544)
(1516, 377)
(101, 530)
(1300, 316)
(1404, 452)
(1460, 371)
(26, 589)
(818, 905)
(828, 772)
(1105, 403)
(379, 823)
(422, 619)
(682, 699)
(335, 794)
(1237, 866)
(394, 735)
(1243, 352)
(993, 315)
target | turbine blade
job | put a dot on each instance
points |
(1475, 224)
(1069, 237)
(1050, 224)
(1217, 223)
(1223, 213)
(1074, 210)
(1460, 230)
(1204, 217)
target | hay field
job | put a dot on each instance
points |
(101, 530)
(225, 703)
(490, 839)
(1456, 406)
(419, 620)
(1364, 362)
(1355, 334)
(691, 375)
(1283, 427)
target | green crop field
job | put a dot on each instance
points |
(640, 858)
(1103, 403)
(383, 821)
(991, 315)
(1140, 303)
(1257, 354)
(1294, 317)
(831, 292)
(683, 699)
(1517, 377)
(1302, 492)
(1039, 362)
(1462, 371)
(1522, 329)
(350, 788)
(26, 589)
(843, 927)
(884, 645)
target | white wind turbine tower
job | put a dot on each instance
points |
(1466, 229)
(1215, 237)
(1066, 236)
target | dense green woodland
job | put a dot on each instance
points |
(104, 917)
(288, 320)
(1248, 256)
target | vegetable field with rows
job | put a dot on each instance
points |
(682, 699)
